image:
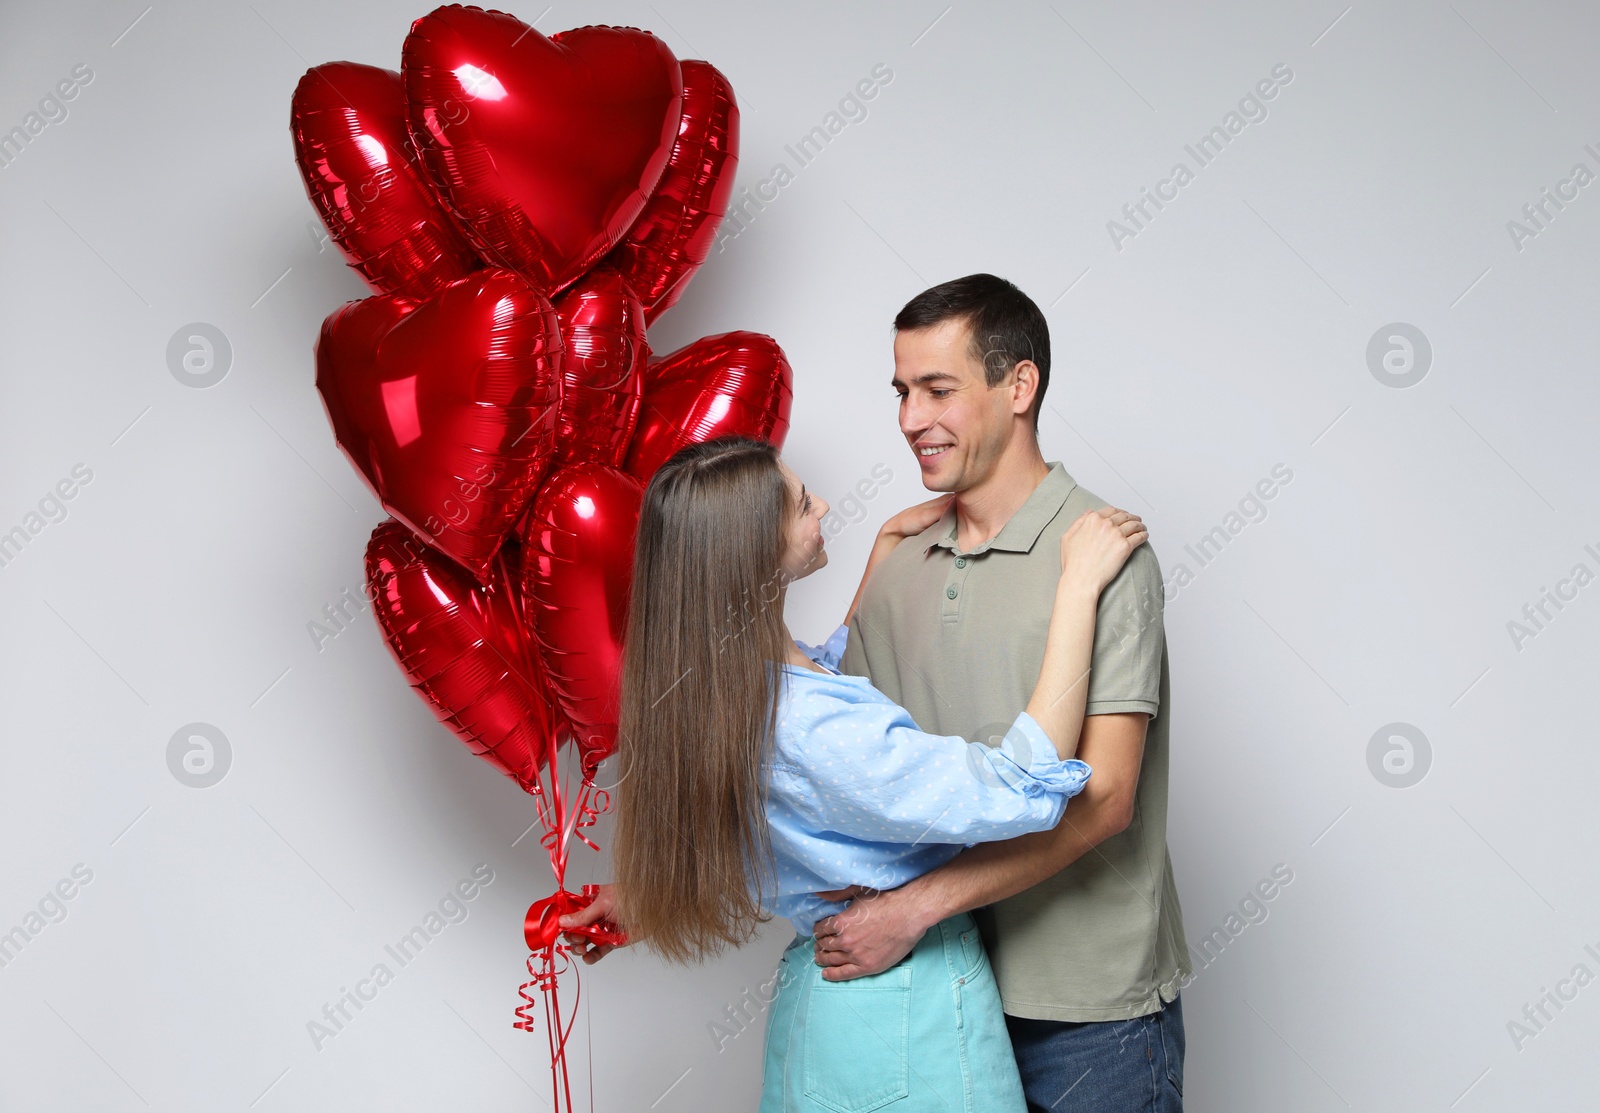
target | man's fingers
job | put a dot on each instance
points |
(832, 957)
(842, 973)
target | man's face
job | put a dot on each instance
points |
(957, 424)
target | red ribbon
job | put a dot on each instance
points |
(549, 957)
(541, 927)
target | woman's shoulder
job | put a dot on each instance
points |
(813, 701)
(829, 653)
(808, 694)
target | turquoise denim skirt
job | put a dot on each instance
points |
(926, 1034)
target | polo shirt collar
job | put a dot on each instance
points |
(1024, 527)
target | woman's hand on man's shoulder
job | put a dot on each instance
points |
(914, 519)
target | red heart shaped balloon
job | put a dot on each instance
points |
(447, 409)
(544, 149)
(602, 330)
(354, 154)
(465, 648)
(674, 234)
(577, 563)
(738, 382)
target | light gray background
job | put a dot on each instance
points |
(1228, 336)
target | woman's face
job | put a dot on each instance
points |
(804, 554)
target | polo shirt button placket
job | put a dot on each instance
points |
(951, 611)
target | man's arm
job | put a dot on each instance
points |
(878, 930)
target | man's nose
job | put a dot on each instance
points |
(914, 418)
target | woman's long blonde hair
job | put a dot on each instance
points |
(692, 850)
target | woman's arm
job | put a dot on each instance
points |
(1093, 551)
(908, 523)
(853, 763)
(900, 784)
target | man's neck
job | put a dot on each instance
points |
(983, 510)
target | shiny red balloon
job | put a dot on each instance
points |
(577, 564)
(466, 649)
(602, 329)
(545, 149)
(675, 233)
(738, 382)
(447, 409)
(354, 154)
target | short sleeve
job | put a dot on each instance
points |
(1129, 635)
(864, 769)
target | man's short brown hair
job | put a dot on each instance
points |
(1004, 326)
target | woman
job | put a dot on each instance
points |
(754, 777)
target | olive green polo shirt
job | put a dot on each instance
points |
(957, 638)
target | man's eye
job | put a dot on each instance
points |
(940, 392)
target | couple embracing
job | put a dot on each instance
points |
(967, 939)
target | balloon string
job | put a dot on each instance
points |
(592, 803)
(577, 821)
(560, 823)
(544, 974)
(556, 821)
(525, 1022)
(560, 1054)
(542, 805)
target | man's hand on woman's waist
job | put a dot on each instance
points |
(880, 928)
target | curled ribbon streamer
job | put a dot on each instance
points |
(593, 802)
(548, 956)
(542, 932)
(546, 976)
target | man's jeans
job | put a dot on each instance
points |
(1114, 1066)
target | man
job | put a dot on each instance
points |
(1082, 922)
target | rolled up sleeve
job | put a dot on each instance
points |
(874, 775)
(1028, 757)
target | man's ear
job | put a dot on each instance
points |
(1024, 386)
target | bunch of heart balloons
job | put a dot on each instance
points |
(523, 207)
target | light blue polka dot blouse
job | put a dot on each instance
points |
(860, 796)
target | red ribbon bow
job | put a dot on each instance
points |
(542, 925)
